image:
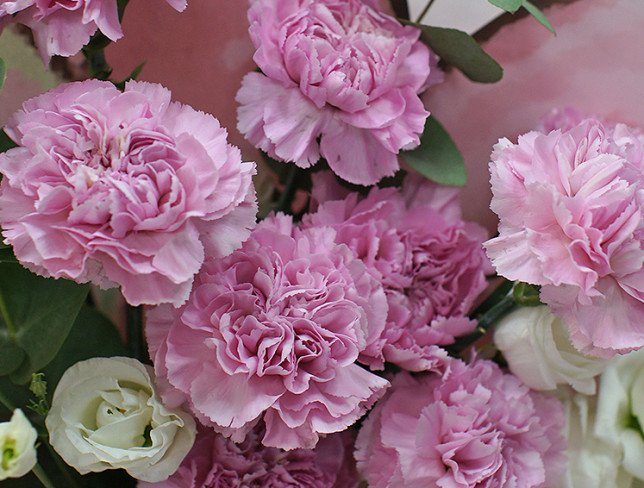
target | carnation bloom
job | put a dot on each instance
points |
(570, 210)
(122, 188)
(340, 72)
(431, 263)
(217, 462)
(63, 27)
(273, 331)
(472, 427)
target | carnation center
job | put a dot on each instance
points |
(124, 177)
(349, 49)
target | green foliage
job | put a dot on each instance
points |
(132, 76)
(36, 315)
(437, 158)
(460, 50)
(91, 336)
(3, 72)
(508, 5)
(538, 14)
(512, 6)
(5, 142)
(525, 294)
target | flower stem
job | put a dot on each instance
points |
(42, 476)
(4, 311)
(135, 332)
(422, 14)
(503, 300)
(285, 201)
(64, 468)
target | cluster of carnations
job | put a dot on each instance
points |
(314, 353)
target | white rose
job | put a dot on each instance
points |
(537, 348)
(105, 414)
(592, 463)
(17, 446)
(620, 409)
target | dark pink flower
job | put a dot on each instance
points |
(570, 209)
(472, 427)
(430, 261)
(273, 331)
(125, 189)
(217, 462)
(340, 80)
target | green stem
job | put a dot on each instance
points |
(422, 14)
(42, 476)
(286, 198)
(71, 482)
(135, 332)
(485, 321)
(11, 327)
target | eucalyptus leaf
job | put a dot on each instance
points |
(36, 315)
(3, 72)
(437, 158)
(538, 14)
(460, 50)
(508, 5)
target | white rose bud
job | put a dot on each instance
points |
(538, 350)
(620, 409)
(592, 463)
(105, 414)
(17, 446)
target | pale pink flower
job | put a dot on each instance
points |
(473, 427)
(273, 331)
(337, 71)
(125, 189)
(570, 210)
(430, 262)
(217, 462)
(63, 27)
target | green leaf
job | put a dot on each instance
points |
(91, 336)
(6, 142)
(3, 72)
(132, 76)
(460, 50)
(437, 158)
(538, 14)
(507, 5)
(36, 315)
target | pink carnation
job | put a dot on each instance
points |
(63, 27)
(339, 72)
(570, 210)
(430, 261)
(217, 462)
(474, 427)
(273, 331)
(125, 189)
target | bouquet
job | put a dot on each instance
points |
(176, 315)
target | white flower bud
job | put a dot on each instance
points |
(17, 446)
